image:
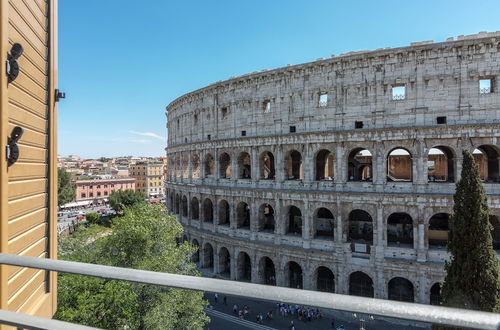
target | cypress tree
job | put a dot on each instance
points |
(473, 272)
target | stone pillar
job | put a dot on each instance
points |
(216, 164)
(307, 278)
(279, 164)
(254, 170)
(234, 166)
(421, 250)
(379, 287)
(216, 261)
(254, 219)
(215, 206)
(340, 165)
(379, 164)
(202, 164)
(419, 169)
(422, 293)
(234, 264)
(308, 164)
(255, 269)
(280, 274)
(339, 232)
(190, 167)
(306, 225)
(232, 213)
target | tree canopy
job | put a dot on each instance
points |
(144, 238)
(65, 190)
(120, 199)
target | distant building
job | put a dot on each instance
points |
(99, 189)
(149, 178)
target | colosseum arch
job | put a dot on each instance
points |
(244, 166)
(266, 218)
(224, 262)
(244, 267)
(441, 164)
(294, 221)
(177, 204)
(267, 271)
(294, 275)
(399, 165)
(172, 202)
(196, 255)
(243, 216)
(487, 158)
(439, 230)
(359, 165)
(209, 166)
(208, 256)
(400, 289)
(324, 224)
(195, 166)
(267, 166)
(208, 210)
(400, 230)
(435, 297)
(360, 227)
(224, 213)
(195, 208)
(360, 284)
(325, 280)
(324, 165)
(184, 206)
(293, 165)
(225, 166)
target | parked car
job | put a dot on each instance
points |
(80, 217)
(101, 211)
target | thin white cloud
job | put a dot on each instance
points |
(150, 134)
(141, 141)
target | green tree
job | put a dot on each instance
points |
(65, 190)
(473, 273)
(93, 218)
(120, 199)
(144, 238)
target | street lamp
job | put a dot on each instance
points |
(362, 320)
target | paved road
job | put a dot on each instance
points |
(68, 217)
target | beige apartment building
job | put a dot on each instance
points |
(148, 178)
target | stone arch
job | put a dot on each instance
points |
(244, 166)
(224, 213)
(324, 165)
(294, 221)
(439, 230)
(267, 271)
(208, 256)
(400, 289)
(177, 204)
(209, 166)
(400, 230)
(399, 165)
(441, 164)
(195, 166)
(324, 224)
(267, 166)
(225, 166)
(293, 165)
(195, 208)
(172, 202)
(184, 206)
(360, 227)
(294, 275)
(266, 218)
(196, 255)
(435, 294)
(487, 159)
(224, 262)
(325, 280)
(244, 267)
(360, 165)
(208, 210)
(360, 284)
(243, 216)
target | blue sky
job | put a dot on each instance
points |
(121, 62)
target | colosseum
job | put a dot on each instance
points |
(337, 175)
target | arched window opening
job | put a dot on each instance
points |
(224, 213)
(209, 166)
(225, 166)
(401, 289)
(266, 268)
(293, 165)
(325, 280)
(208, 257)
(195, 167)
(361, 285)
(400, 230)
(224, 263)
(359, 167)
(435, 297)
(439, 230)
(195, 209)
(172, 203)
(495, 232)
(324, 224)
(177, 204)
(184, 238)
(244, 267)
(324, 165)
(294, 221)
(360, 227)
(196, 255)
(208, 211)
(267, 170)
(184, 206)
(266, 218)
(244, 166)
(487, 160)
(440, 165)
(399, 165)
(243, 216)
(294, 275)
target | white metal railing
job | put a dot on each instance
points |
(380, 307)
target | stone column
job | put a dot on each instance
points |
(234, 264)
(379, 164)
(280, 274)
(308, 163)
(202, 164)
(190, 167)
(379, 287)
(421, 250)
(340, 166)
(215, 214)
(216, 164)
(306, 225)
(254, 219)
(339, 234)
(307, 278)
(254, 169)
(234, 166)
(279, 164)
(419, 169)
(255, 269)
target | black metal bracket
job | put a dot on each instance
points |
(12, 65)
(59, 95)
(12, 147)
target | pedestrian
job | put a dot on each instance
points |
(235, 309)
(225, 300)
(215, 297)
(292, 326)
(333, 324)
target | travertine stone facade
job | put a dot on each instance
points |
(337, 175)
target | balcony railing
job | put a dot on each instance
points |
(371, 306)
